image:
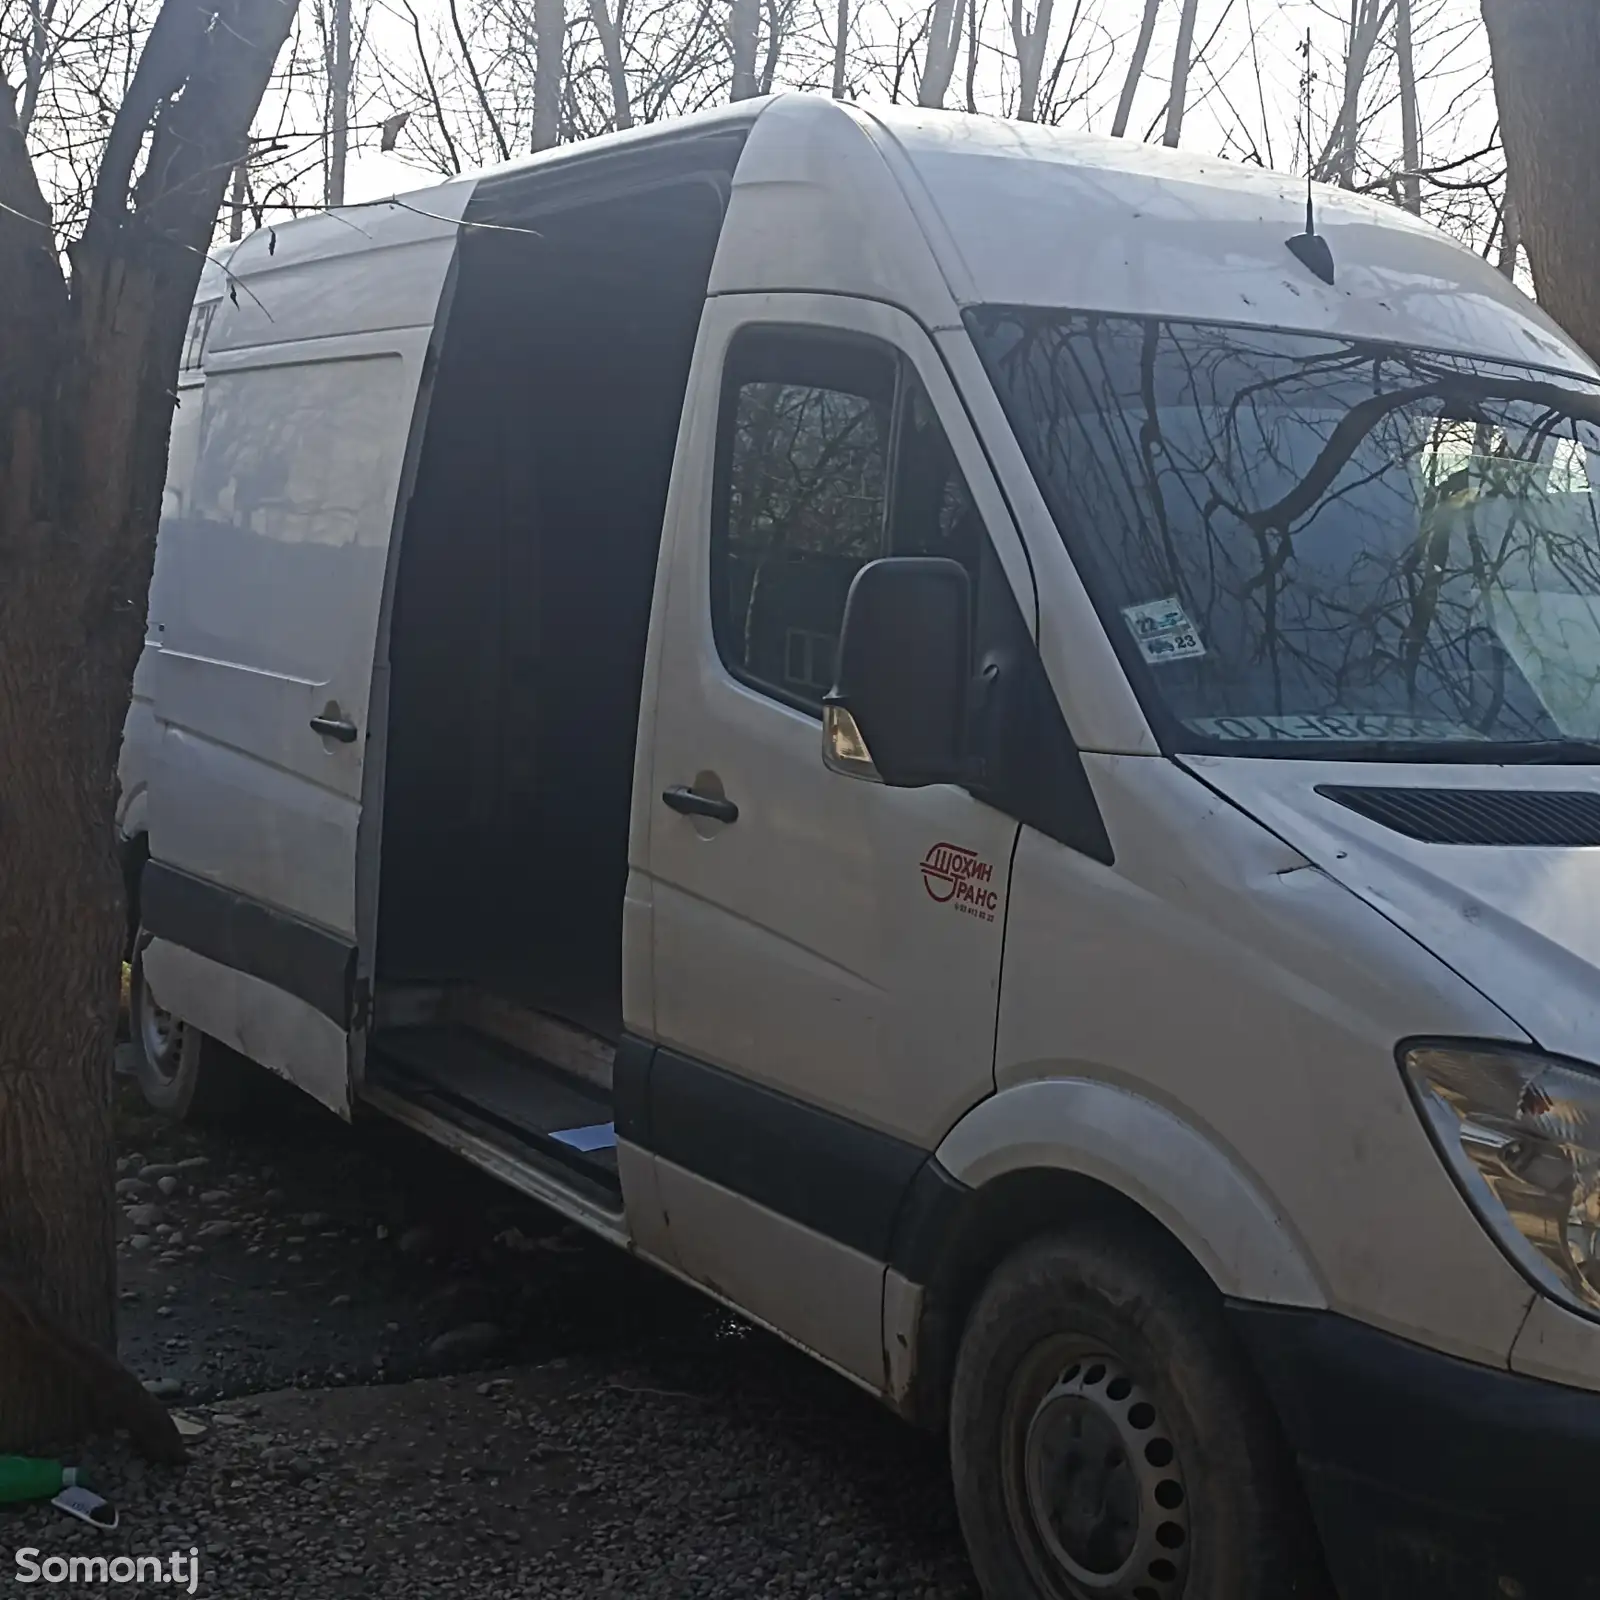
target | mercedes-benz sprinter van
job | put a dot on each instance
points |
(971, 738)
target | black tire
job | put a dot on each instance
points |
(1108, 1439)
(182, 1074)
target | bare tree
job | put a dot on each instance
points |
(744, 26)
(1510, 237)
(36, 59)
(338, 102)
(974, 29)
(1136, 64)
(239, 190)
(1546, 66)
(1086, 55)
(780, 18)
(91, 351)
(1182, 59)
(1410, 137)
(441, 121)
(611, 47)
(1367, 21)
(479, 92)
(944, 40)
(1029, 35)
(550, 34)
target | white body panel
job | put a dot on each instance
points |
(1024, 215)
(1207, 1026)
(273, 578)
(276, 1030)
(800, 947)
(141, 734)
(1522, 925)
(1195, 1188)
(1215, 973)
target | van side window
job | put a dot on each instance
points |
(194, 338)
(931, 509)
(831, 456)
(802, 503)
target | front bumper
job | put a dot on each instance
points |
(1432, 1478)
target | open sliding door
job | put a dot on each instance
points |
(269, 708)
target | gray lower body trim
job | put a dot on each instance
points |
(308, 962)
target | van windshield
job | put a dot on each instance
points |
(1309, 547)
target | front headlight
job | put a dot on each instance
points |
(1521, 1131)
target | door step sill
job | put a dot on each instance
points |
(527, 1106)
(506, 1160)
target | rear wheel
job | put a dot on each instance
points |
(182, 1073)
(1108, 1441)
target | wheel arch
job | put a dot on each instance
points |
(1066, 1150)
(133, 850)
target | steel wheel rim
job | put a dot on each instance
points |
(1094, 1485)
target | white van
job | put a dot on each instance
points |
(916, 720)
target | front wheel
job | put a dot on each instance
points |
(1108, 1441)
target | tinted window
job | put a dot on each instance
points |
(805, 468)
(814, 483)
(932, 510)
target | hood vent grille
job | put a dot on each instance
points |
(1553, 819)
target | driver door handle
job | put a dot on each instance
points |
(687, 803)
(340, 728)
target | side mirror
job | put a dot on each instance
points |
(897, 713)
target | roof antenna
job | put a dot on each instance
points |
(1310, 249)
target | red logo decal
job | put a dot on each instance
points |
(954, 875)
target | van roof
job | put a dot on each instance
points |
(1022, 214)
(1031, 215)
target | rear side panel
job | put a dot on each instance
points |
(268, 622)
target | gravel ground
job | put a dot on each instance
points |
(412, 1383)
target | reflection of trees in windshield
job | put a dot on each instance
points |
(1357, 542)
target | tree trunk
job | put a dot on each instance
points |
(1510, 237)
(339, 102)
(236, 200)
(1344, 143)
(1178, 100)
(974, 23)
(1546, 69)
(744, 25)
(36, 59)
(1030, 42)
(1141, 54)
(1410, 136)
(777, 31)
(939, 65)
(60, 917)
(86, 401)
(841, 48)
(611, 49)
(550, 48)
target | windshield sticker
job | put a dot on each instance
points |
(1163, 631)
(1357, 727)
